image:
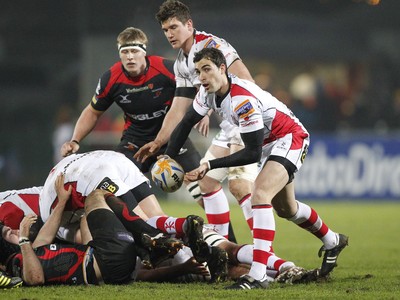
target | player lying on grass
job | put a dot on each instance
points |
(108, 255)
(271, 133)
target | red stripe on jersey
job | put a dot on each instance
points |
(237, 90)
(201, 37)
(282, 125)
(32, 200)
(77, 200)
(128, 123)
(157, 63)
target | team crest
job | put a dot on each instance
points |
(244, 109)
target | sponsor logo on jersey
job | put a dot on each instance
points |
(142, 117)
(150, 86)
(108, 185)
(244, 109)
(211, 44)
(124, 99)
(94, 100)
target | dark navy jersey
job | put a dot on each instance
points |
(145, 99)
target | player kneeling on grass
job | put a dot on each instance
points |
(108, 257)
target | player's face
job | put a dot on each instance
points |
(10, 235)
(212, 78)
(178, 34)
(133, 60)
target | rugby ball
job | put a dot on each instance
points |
(167, 174)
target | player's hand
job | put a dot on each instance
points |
(63, 195)
(203, 126)
(146, 151)
(198, 173)
(194, 267)
(69, 148)
(26, 224)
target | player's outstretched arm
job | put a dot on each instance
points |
(169, 273)
(49, 230)
(85, 124)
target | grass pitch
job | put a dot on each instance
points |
(369, 268)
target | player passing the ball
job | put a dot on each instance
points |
(270, 132)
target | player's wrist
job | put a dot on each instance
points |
(23, 240)
(75, 141)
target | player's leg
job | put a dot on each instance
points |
(216, 203)
(269, 182)
(241, 180)
(307, 218)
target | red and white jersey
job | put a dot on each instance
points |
(15, 204)
(184, 68)
(107, 170)
(251, 108)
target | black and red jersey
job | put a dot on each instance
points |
(62, 263)
(145, 99)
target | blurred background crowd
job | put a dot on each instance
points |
(335, 63)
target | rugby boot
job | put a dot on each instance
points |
(194, 234)
(218, 264)
(161, 247)
(8, 282)
(246, 282)
(291, 275)
(331, 255)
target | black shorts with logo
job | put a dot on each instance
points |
(114, 247)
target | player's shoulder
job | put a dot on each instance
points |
(114, 71)
(241, 87)
(160, 63)
(201, 36)
(115, 68)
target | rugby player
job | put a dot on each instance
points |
(272, 133)
(177, 24)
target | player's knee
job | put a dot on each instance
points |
(239, 188)
(209, 185)
(95, 197)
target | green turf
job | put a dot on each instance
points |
(368, 268)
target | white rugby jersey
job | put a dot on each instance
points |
(184, 68)
(107, 170)
(251, 108)
(15, 204)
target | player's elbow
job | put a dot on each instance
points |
(254, 154)
(34, 279)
